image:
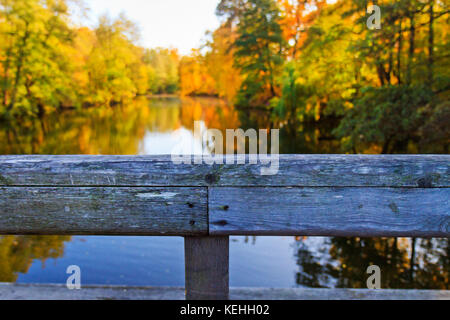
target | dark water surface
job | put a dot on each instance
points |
(156, 126)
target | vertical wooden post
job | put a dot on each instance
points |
(206, 267)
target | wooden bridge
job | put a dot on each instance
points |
(312, 195)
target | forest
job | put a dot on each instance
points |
(302, 61)
(48, 63)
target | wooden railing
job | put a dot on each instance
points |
(313, 195)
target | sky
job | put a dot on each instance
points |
(166, 23)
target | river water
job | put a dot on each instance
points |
(157, 126)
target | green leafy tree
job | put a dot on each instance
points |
(259, 47)
(34, 36)
(116, 69)
(292, 103)
(389, 116)
(163, 67)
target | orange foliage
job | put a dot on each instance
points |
(194, 76)
(297, 17)
(220, 63)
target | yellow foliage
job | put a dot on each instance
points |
(194, 76)
(220, 63)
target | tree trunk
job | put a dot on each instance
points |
(399, 53)
(21, 57)
(385, 149)
(430, 44)
(412, 259)
(412, 34)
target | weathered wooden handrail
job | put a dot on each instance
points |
(316, 195)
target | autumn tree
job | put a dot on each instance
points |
(195, 79)
(163, 67)
(403, 54)
(116, 69)
(219, 60)
(296, 18)
(259, 47)
(34, 37)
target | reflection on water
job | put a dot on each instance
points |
(142, 128)
(18, 252)
(156, 126)
(342, 262)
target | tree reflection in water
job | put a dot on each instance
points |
(404, 262)
(17, 253)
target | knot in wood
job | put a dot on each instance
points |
(425, 182)
(211, 178)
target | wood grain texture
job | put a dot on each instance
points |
(19, 291)
(206, 262)
(338, 211)
(103, 210)
(294, 170)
